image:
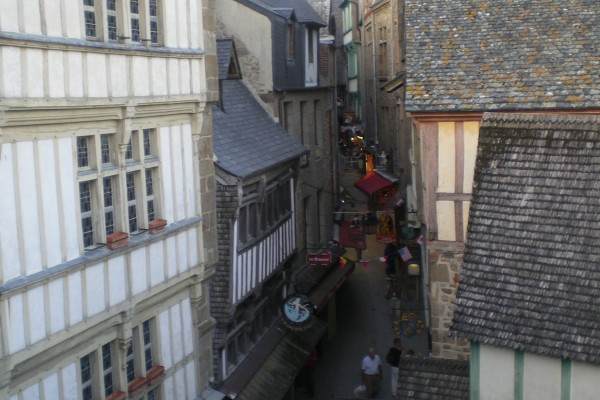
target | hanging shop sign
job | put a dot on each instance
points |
(321, 258)
(386, 227)
(297, 311)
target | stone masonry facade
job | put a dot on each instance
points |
(444, 272)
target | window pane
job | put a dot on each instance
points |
(129, 151)
(154, 31)
(134, 6)
(149, 183)
(130, 187)
(133, 227)
(111, 5)
(112, 27)
(108, 195)
(130, 363)
(90, 23)
(152, 4)
(151, 213)
(147, 143)
(85, 197)
(86, 377)
(135, 30)
(107, 368)
(82, 152)
(105, 149)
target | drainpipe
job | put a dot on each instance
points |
(375, 119)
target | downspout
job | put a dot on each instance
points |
(375, 119)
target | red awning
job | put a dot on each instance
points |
(372, 182)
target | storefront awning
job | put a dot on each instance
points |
(271, 367)
(374, 181)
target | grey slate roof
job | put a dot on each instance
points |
(246, 139)
(531, 273)
(496, 55)
(302, 10)
(433, 379)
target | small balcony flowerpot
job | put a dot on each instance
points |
(116, 239)
(117, 396)
(156, 225)
(155, 374)
(136, 384)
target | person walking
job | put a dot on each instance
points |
(393, 358)
(371, 373)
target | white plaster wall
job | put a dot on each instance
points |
(15, 322)
(9, 240)
(28, 215)
(446, 157)
(9, 17)
(95, 281)
(10, 72)
(176, 343)
(471, 138)
(30, 232)
(58, 383)
(95, 75)
(446, 218)
(52, 17)
(177, 167)
(56, 306)
(118, 80)
(117, 288)
(141, 79)
(34, 73)
(38, 313)
(255, 32)
(30, 11)
(585, 381)
(496, 374)
(542, 378)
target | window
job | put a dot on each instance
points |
(257, 219)
(139, 21)
(97, 384)
(139, 357)
(316, 108)
(99, 372)
(101, 184)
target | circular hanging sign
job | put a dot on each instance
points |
(297, 311)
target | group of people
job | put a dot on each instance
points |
(372, 372)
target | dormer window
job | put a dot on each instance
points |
(290, 41)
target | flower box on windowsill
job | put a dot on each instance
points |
(116, 239)
(156, 225)
(117, 396)
(155, 374)
(136, 384)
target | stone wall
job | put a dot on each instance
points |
(444, 271)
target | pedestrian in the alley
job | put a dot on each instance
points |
(371, 373)
(393, 358)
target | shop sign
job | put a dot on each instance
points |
(321, 258)
(297, 311)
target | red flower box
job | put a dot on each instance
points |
(117, 396)
(116, 239)
(136, 384)
(155, 374)
(156, 225)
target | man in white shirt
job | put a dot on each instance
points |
(371, 374)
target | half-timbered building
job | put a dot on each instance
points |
(256, 163)
(464, 58)
(107, 229)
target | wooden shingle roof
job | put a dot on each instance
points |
(487, 55)
(433, 379)
(531, 273)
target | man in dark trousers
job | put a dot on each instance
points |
(393, 358)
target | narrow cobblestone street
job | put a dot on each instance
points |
(365, 318)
